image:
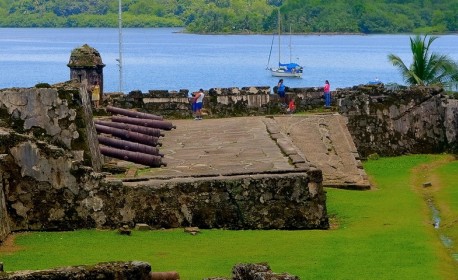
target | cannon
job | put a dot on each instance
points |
(132, 127)
(129, 135)
(133, 114)
(129, 146)
(145, 159)
(144, 122)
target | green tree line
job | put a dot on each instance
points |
(240, 16)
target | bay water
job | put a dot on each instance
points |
(166, 58)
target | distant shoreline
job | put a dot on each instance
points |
(235, 33)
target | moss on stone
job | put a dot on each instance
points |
(43, 85)
(51, 151)
(39, 133)
(5, 117)
(84, 57)
(9, 140)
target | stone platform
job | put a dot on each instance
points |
(260, 145)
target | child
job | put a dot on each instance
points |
(291, 107)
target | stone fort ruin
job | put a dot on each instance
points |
(53, 176)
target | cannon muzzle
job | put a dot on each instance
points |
(129, 146)
(129, 135)
(145, 159)
(165, 125)
(133, 114)
(132, 127)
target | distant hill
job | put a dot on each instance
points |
(240, 16)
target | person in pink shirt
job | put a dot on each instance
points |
(327, 94)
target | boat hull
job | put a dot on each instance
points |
(282, 73)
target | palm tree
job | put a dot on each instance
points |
(426, 68)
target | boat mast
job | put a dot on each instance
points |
(279, 30)
(290, 55)
(120, 45)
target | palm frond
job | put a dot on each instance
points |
(427, 68)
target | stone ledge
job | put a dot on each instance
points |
(115, 270)
(234, 202)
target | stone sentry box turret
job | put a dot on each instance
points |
(86, 64)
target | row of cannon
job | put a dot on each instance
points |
(134, 136)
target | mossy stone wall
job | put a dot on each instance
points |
(218, 102)
(402, 121)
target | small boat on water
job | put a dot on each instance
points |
(287, 70)
(284, 69)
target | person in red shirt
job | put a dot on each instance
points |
(291, 107)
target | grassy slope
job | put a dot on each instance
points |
(384, 234)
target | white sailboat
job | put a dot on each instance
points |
(284, 69)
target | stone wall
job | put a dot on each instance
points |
(115, 270)
(218, 102)
(261, 271)
(51, 115)
(137, 270)
(395, 122)
(4, 219)
(43, 146)
(48, 181)
(262, 201)
(451, 123)
(280, 201)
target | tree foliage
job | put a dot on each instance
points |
(427, 68)
(217, 16)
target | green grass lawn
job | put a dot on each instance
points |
(385, 233)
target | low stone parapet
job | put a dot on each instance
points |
(256, 201)
(115, 270)
(289, 200)
(137, 270)
(218, 102)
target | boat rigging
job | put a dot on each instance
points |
(284, 69)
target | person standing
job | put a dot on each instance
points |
(327, 94)
(96, 95)
(191, 101)
(198, 103)
(281, 91)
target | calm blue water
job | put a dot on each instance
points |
(165, 59)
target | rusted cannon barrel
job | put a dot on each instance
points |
(144, 122)
(145, 159)
(129, 135)
(133, 114)
(132, 127)
(129, 146)
(169, 275)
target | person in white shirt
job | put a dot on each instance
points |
(198, 103)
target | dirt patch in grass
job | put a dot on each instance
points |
(427, 183)
(333, 222)
(9, 245)
(425, 177)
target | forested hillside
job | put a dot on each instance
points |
(235, 16)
